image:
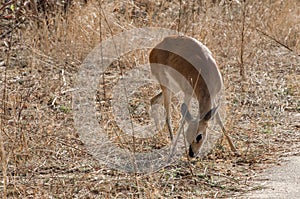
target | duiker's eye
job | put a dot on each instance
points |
(199, 137)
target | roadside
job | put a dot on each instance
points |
(282, 181)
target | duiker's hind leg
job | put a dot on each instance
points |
(157, 99)
(155, 111)
(164, 98)
(232, 147)
(167, 102)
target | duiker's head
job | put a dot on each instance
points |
(195, 133)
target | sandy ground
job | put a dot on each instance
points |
(281, 181)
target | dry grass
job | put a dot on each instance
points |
(42, 155)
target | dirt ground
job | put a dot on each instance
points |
(281, 181)
(256, 45)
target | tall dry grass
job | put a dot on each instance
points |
(255, 43)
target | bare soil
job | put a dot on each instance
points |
(281, 181)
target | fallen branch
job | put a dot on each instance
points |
(277, 41)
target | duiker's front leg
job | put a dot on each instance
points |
(232, 147)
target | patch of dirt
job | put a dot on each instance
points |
(280, 181)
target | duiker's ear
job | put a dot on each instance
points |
(185, 112)
(210, 113)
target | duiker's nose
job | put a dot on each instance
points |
(191, 153)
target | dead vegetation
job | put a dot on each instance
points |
(257, 47)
